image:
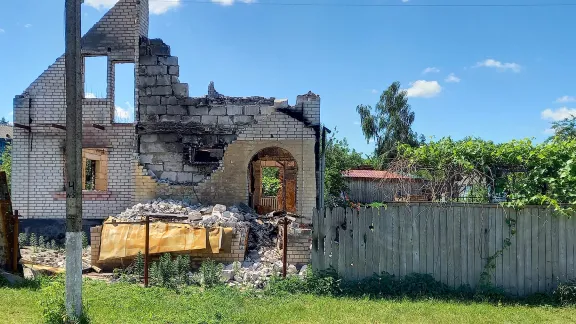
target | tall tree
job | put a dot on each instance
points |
(391, 123)
(3, 121)
(339, 157)
(566, 128)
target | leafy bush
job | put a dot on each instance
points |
(22, 239)
(565, 293)
(323, 283)
(270, 181)
(53, 245)
(33, 242)
(209, 274)
(41, 243)
(170, 273)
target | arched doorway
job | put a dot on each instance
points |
(272, 178)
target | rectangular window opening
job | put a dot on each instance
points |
(94, 170)
(124, 87)
(95, 77)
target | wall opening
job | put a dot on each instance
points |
(95, 77)
(272, 175)
(124, 92)
(94, 169)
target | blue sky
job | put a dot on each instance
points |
(495, 72)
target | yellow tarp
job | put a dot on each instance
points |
(120, 240)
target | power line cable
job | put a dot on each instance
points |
(389, 5)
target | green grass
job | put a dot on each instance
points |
(123, 303)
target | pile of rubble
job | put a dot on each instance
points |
(257, 269)
(262, 260)
(55, 258)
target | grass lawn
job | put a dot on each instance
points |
(122, 303)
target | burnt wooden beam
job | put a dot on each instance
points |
(100, 127)
(58, 126)
(28, 128)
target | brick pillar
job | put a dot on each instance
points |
(95, 234)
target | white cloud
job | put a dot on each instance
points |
(405, 1)
(374, 91)
(157, 7)
(2, 31)
(89, 95)
(231, 2)
(423, 89)
(11, 113)
(452, 78)
(558, 114)
(27, 25)
(565, 99)
(431, 70)
(121, 113)
(490, 63)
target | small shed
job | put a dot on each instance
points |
(368, 185)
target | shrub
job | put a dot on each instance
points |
(170, 273)
(565, 293)
(41, 242)
(210, 274)
(53, 245)
(33, 241)
(22, 239)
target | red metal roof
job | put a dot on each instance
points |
(373, 174)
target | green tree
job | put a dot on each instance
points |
(339, 157)
(7, 163)
(389, 123)
(566, 128)
(3, 121)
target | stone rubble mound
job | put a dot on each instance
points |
(263, 259)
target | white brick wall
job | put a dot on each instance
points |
(38, 167)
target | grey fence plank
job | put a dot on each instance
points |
(423, 235)
(513, 251)
(548, 225)
(336, 222)
(437, 249)
(492, 238)
(402, 241)
(464, 245)
(376, 245)
(328, 219)
(389, 240)
(315, 235)
(364, 219)
(521, 223)
(355, 245)
(534, 241)
(506, 255)
(396, 242)
(561, 248)
(457, 246)
(555, 255)
(450, 245)
(498, 220)
(416, 234)
(342, 241)
(527, 251)
(570, 248)
(443, 246)
(429, 241)
(386, 251)
(541, 239)
(473, 255)
(408, 246)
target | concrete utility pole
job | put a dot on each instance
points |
(73, 160)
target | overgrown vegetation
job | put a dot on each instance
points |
(38, 243)
(270, 181)
(53, 304)
(528, 173)
(7, 163)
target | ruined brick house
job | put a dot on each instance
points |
(208, 149)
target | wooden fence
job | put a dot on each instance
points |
(451, 242)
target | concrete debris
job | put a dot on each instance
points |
(257, 269)
(51, 258)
